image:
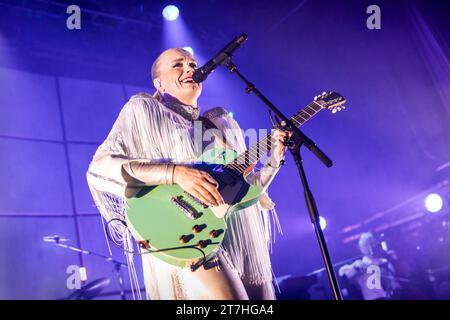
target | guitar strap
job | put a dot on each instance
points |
(208, 124)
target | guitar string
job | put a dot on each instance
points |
(304, 116)
(240, 168)
(250, 153)
(299, 119)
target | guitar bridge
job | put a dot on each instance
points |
(186, 208)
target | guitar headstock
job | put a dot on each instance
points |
(330, 100)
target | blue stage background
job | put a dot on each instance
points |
(61, 90)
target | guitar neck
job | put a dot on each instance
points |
(258, 150)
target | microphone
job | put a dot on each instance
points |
(54, 238)
(203, 72)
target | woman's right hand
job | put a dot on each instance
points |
(199, 184)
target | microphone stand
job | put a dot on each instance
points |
(297, 140)
(117, 264)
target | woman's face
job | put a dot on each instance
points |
(175, 71)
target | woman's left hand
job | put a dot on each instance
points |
(279, 148)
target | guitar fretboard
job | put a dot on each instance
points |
(258, 150)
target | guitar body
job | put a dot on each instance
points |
(163, 214)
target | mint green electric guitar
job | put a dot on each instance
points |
(166, 217)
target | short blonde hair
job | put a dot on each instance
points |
(155, 67)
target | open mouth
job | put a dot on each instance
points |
(187, 80)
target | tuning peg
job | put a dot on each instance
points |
(334, 110)
(343, 107)
(339, 108)
(323, 93)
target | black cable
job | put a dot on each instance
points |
(203, 259)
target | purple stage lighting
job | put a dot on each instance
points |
(323, 223)
(189, 49)
(170, 13)
(433, 202)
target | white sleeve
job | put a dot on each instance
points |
(264, 176)
(112, 170)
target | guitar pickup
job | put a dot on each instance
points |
(195, 199)
(186, 208)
